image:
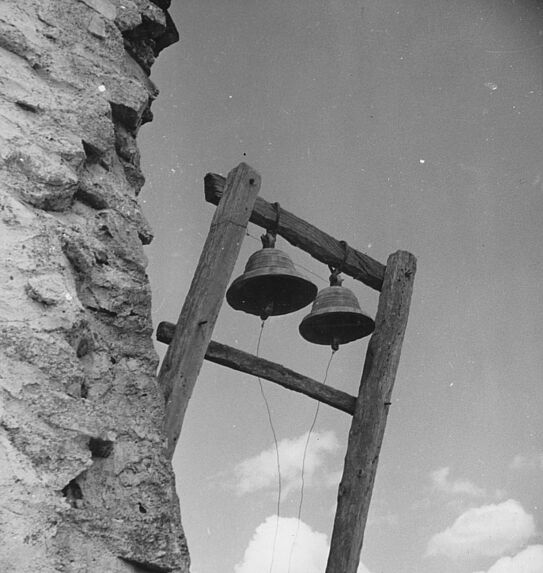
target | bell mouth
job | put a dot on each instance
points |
(335, 327)
(270, 286)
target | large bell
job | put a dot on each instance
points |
(336, 318)
(270, 285)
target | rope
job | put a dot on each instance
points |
(303, 464)
(276, 452)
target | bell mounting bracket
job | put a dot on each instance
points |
(268, 240)
(190, 341)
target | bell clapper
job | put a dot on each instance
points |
(267, 311)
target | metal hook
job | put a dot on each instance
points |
(335, 279)
(268, 240)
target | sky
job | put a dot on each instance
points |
(390, 125)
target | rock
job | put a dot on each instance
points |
(84, 483)
(128, 102)
(164, 4)
(53, 183)
(146, 38)
(97, 27)
(48, 289)
(128, 16)
(104, 7)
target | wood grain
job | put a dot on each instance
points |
(186, 351)
(371, 410)
(307, 237)
(256, 366)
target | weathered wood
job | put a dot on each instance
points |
(186, 352)
(369, 419)
(256, 366)
(307, 237)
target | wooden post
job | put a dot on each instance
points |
(307, 237)
(371, 409)
(186, 352)
(256, 366)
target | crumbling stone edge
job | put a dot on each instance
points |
(84, 483)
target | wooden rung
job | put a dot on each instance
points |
(305, 236)
(245, 362)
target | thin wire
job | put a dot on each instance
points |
(276, 452)
(311, 272)
(303, 464)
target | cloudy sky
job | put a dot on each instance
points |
(392, 125)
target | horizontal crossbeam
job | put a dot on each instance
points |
(305, 236)
(277, 373)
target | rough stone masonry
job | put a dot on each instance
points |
(84, 483)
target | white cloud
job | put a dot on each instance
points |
(527, 462)
(489, 530)
(309, 555)
(260, 471)
(529, 560)
(441, 482)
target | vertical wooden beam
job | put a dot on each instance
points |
(186, 352)
(369, 419)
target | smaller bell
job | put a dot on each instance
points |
(336, 317)
(270, 285)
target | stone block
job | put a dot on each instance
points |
(104, 7)
(97, 27)
(48, 289)
(128, 16)
(51, 184)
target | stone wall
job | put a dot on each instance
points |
(84, 483)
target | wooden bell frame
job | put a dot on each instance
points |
(190, 341)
